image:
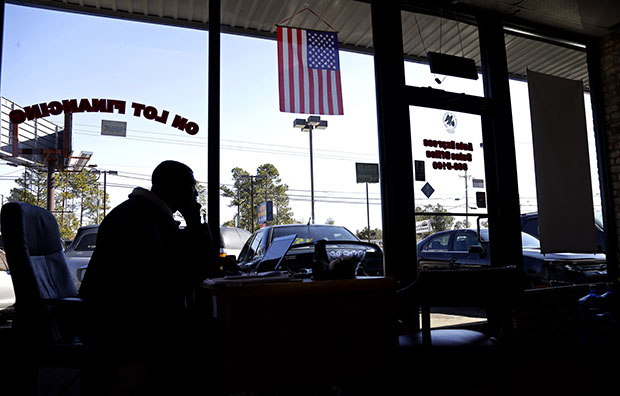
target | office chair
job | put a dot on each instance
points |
(458, 359)
(490, 288)
(47, 309)
(457, 356)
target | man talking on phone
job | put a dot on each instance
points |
(141, 273)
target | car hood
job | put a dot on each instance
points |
(535, 253)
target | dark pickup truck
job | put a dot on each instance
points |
(529, 225)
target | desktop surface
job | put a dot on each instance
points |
(322, 331)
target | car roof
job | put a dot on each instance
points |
(276, 226)
(87, 228)
(234, 229)
(305, 225)
(450, 231)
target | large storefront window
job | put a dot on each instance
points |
(137, 93)
(159, 73)
(264, 153)
(445, 188)
(555, 61)
(132, 94)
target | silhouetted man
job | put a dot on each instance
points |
(142, 270)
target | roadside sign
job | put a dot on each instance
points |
(420, 174)
(422, 226)
(113, 128)
(367, 173)
(481, 200)
(428, 190)
(265, 212)
(477, 183)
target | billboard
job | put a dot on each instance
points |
(34, 138)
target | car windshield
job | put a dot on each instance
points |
(310, 233)
(527, 241)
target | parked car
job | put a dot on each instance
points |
(300, 259)
(80, 250)
(7, 296)
(232, 240)
(529, 224)
(456, 249)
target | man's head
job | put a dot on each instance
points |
(174, 183)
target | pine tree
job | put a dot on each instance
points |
(267, 186)
(77, 199)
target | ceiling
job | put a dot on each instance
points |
(595, 18)
(421, 33)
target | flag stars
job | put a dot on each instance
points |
(322, 50)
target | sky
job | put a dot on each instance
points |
(50, 55)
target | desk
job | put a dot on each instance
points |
(310, 332)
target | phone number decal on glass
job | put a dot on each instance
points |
(450, 166)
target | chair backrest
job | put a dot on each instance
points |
(35, 256)
(466, 287)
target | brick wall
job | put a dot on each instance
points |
(610, 75)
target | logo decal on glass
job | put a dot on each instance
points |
(449, 121)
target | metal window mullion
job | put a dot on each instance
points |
(499, 149)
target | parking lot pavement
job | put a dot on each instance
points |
(442, 320)
(446, 316)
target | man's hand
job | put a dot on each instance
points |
(191, 213)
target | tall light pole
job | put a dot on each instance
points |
(313, 122)
(252, 177)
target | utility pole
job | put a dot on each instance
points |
(368, 211)
(105, 185)
(51, 182)
(466, 200)
(252, 201)
(97, 187)
(105, 182)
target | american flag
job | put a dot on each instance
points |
(309, 72)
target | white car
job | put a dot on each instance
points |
(7, 296)
(232, 240)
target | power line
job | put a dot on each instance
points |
(193, 139)
(266, 149)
